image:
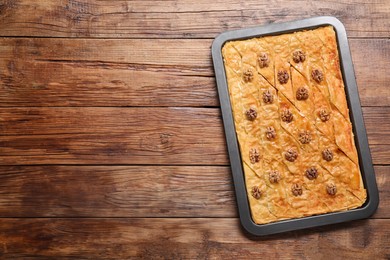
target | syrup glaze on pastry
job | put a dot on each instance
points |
(293, 127)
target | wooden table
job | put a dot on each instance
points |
(111, 138)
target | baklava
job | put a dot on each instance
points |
(292, 123)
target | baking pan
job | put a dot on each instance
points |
(367, 170)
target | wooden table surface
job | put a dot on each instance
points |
(111, 137)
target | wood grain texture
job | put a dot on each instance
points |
(380, 154)
(75, 72)
(179, 19)
(368, 61)
(114, 136)
(101, 135)
(182, 238)
(111, 138)
(377, 121)
(130, 191)
(382, 174)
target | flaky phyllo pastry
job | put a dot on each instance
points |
(292, 123)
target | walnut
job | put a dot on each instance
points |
(296, 189)
(298, 56)
(274, 176)
(283, 76)
(312, 173)
(324, 115)
(268, 97)
(331, 189)
(291, 155)
(256, 192)
(254, 155)
(317, 75)
(248, 76)
(251, 114)
(287, 116)
(302, 93)
(263, 60)
(304, 137)
(327, 155)
(270, 133)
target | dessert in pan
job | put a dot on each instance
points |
(292, 123)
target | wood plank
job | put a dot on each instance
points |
(113, 136)
(70, 84)
(380, 154)
(74, 72)
(116, 191)
(382, 174)
(59, 72)
(369, 57)
(130, 191)
(102, 135)
(179, 19)
(377, 121)
(184, 238)
(124, 53)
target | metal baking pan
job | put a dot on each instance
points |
(356, 116)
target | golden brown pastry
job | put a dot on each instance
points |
(293, 126)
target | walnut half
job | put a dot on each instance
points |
(331, 189)
(274, 176)
(263, 60)
(270, 133)
(251, 114)
(317, 75)
(268, 98)
(312, 173)
(296, 189)
(247, 75)
(304, 137)
(256, 192)
(327, 155)
(287, 115)
(298, 56)
(291, 155)
(283, 76)
(324, 115)
(302, 93)
(254, 155)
